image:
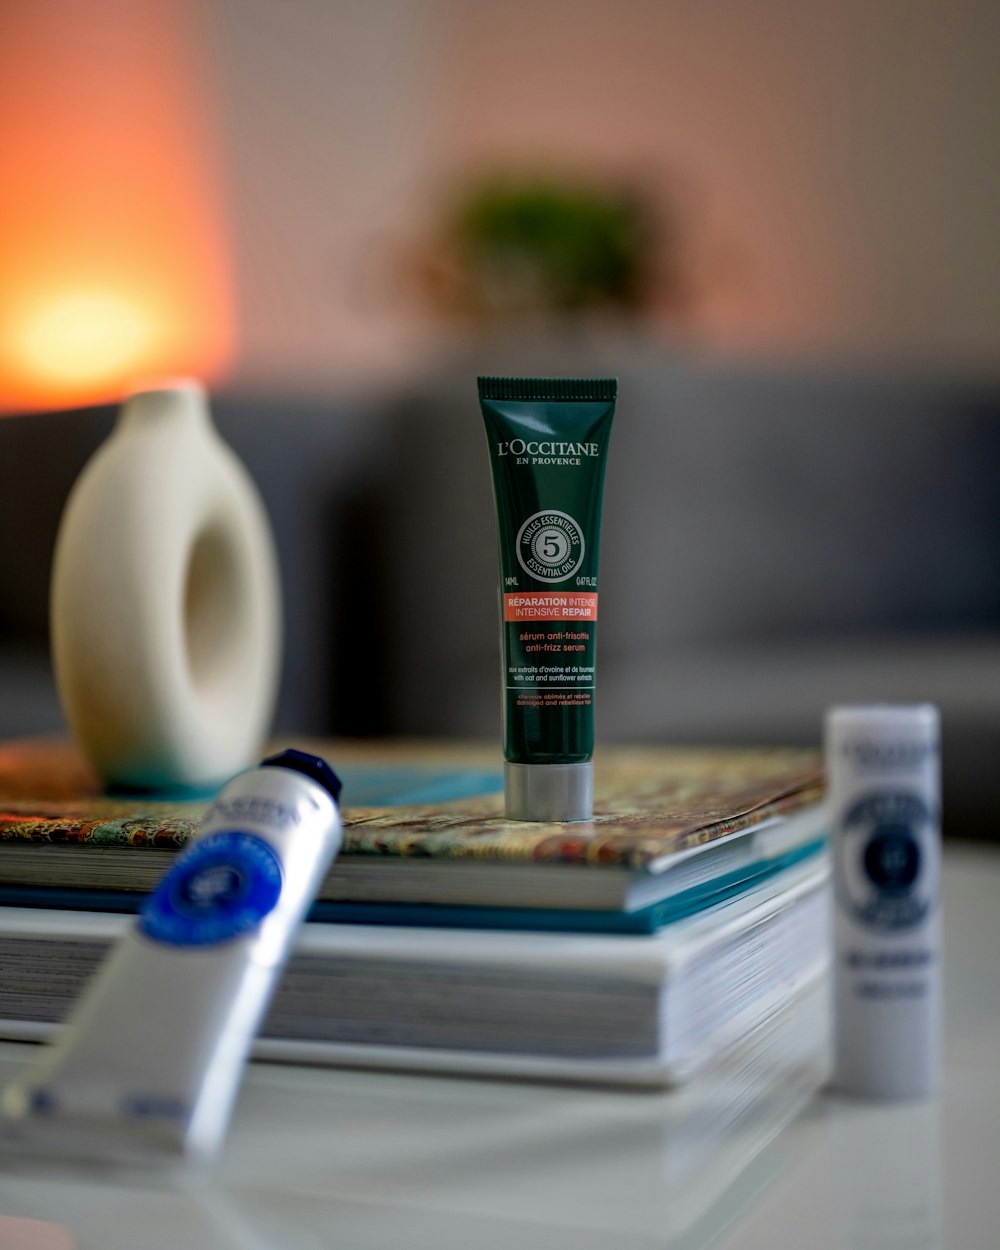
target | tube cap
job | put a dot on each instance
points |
(883, 719)
(312, 766)
(549, 791)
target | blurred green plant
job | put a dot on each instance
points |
(511, 245)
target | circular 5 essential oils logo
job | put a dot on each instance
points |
(550, 546)
(884, 870)
(222, 888)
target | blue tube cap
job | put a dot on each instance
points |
(312, 766)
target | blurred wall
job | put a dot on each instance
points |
(834, 164)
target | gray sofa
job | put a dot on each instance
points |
(773, 542)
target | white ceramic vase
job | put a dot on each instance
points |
(165, 604)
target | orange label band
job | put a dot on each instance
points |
(550, 606)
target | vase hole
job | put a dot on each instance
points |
(213, 612)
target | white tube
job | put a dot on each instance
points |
(149, 1063)
(883, 766)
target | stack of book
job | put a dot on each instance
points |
(635, 948)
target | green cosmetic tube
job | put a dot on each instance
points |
(548, 441)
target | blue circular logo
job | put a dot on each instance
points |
(220, 889)
(884, 873)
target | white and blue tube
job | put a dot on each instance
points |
(149, 1063)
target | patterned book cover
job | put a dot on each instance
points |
(438, 801)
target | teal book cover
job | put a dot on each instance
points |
(425, 806)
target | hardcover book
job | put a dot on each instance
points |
(641, 1010)
(425, 840)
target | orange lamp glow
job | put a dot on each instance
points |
(113, 263)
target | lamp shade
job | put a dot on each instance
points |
(113, 256)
